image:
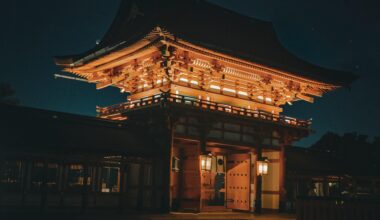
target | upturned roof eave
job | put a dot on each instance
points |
(70, 63)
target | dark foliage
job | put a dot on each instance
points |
(354, 152)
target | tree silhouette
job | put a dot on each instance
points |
(355, 154)
(7, 93)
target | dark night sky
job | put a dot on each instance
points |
(340, 34)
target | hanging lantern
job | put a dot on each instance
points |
(262, 167)
(206, 162)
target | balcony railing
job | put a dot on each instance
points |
(115, 111)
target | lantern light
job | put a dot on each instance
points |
(229, 90)
(243, 93)
(183, 79)
(215, 87)
(194, 82)
(262, 167)
(206, 162)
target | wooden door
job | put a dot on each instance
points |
(190, 179)
(238, 181)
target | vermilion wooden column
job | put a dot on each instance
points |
(258, 199)
(166, 147)
(282, 178)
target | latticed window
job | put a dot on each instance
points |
(40, 173)
(10, 175)
(110, 179)
(76, 177)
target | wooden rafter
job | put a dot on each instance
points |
(144, 67)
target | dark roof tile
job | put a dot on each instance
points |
(212, 27)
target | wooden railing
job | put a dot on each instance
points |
(114, 110)
(337, 209)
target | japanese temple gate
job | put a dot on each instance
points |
(212, 84)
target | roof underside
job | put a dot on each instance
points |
(31, 129)
(212, 27)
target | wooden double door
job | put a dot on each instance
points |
(227, 185)
(238, 182)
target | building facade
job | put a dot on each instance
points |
(207, 86)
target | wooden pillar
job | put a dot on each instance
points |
(180, 177)
(98, 184)
(166, 144)
(166, 166)
(167, 172)
(282, 205)
(85, 188)
(25, 180)
(44, 187)
(122, 186)
(93, 187)
(325, 187)
(258, 199)
(62, 185)
(140, 195)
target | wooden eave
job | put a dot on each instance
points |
(247, 64)
(115, 58)
(95, 69)
(146, 46)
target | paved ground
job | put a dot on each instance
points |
(173, 216)
(228, 215)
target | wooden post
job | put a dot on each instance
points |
(154, 185)
(204, 130)
(180, 177)
(282, 179)
(85, 188)
(98, 183)
(121, 184)
(258, 201)
(63, 182)
(325, 187)
(24, 182)
(44, 187)
(202, 141)
(166, 176)
(140, 194)
(166, 159)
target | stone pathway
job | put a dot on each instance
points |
(222, 216)
(172, 216)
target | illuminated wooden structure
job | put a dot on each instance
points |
(211, 81)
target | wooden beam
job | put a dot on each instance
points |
(313, 91)
(117, 79)
(305, 98)
(104, 84)
(96, 78)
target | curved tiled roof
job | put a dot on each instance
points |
(212, 27)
